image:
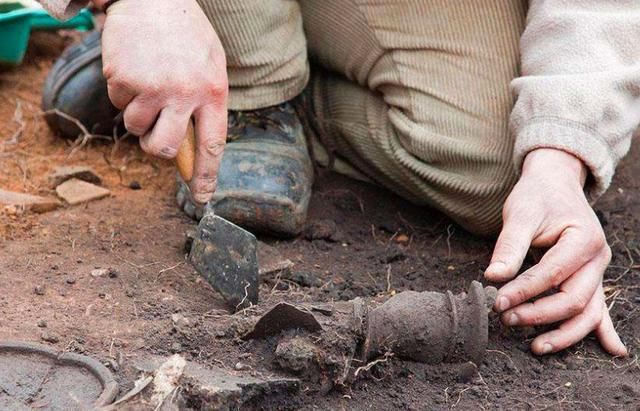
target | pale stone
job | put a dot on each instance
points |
(76, 191)
(28, 202)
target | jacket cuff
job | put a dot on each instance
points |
(579, 141)
(64, 9)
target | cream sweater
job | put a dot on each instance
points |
(579, 90)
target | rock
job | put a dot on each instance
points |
(466, 372)
(323, 230)
(240, 366)
(181, 323)
(271, 261)
(76, 191)
(30, 202)
(39, 289)
(99, 272)
(50, 338)
(71, 280)
(64, 173)
(296, 354)
(42, 324)
(214, 388)
(304, 279)
(135, 185)
(402, 239)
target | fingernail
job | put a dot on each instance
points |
(502, 303)
(512, 319)
(497, 268)
(202, 198)
(547, 348)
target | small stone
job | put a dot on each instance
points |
(304, 279)
(50, 338)
(112, 273)
(21, 201)
(240, 366)
(42, 324)
(402, 239)
(102, 295)
(176, 347)
(135, 185)
(71, 280)
(65, 173)
(39, 289)
(181, 323)
(271, 261)
(99, 272)
(129, 293)
(323, 230)
(296, 354)
(466, 372)
(76, 191)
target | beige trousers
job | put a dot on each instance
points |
(412, 93)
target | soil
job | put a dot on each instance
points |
(364, 241)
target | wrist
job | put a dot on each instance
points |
(554, 163)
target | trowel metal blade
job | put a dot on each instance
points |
(226, 256)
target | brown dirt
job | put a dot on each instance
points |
(382, 245)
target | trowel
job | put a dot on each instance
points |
(223, 253)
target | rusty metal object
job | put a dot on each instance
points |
(283, 316)
(36, 376)
(427, 327)
(430, 327)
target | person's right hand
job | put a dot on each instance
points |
(164, 64)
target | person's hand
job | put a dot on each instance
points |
(548, 208)
(164, 65)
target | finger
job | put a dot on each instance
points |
(211, 135)
(573, 330)
(167, 134)
(608, 336)
(571, 300)
(511, 249)
(569, 254)
(119, 95)
(139, 116)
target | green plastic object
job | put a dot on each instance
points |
(17, 21)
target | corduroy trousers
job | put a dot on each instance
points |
(411, 94)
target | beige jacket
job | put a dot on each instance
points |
(580, 85)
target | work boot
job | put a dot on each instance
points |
(264, 181)
(265, 177)
(75, 86)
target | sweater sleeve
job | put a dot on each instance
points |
(63, 9)
(580, 85)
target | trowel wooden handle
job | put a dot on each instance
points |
(185, 158)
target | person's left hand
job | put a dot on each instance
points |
(548, 208)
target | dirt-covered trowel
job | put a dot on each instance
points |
(223, 253)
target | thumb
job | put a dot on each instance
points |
(511, 249)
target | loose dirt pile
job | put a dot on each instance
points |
(362, 241)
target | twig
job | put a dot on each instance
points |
(450, 231)
(372, 364)
(18, 119)
(84, 137)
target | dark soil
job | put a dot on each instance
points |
(363, 241)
